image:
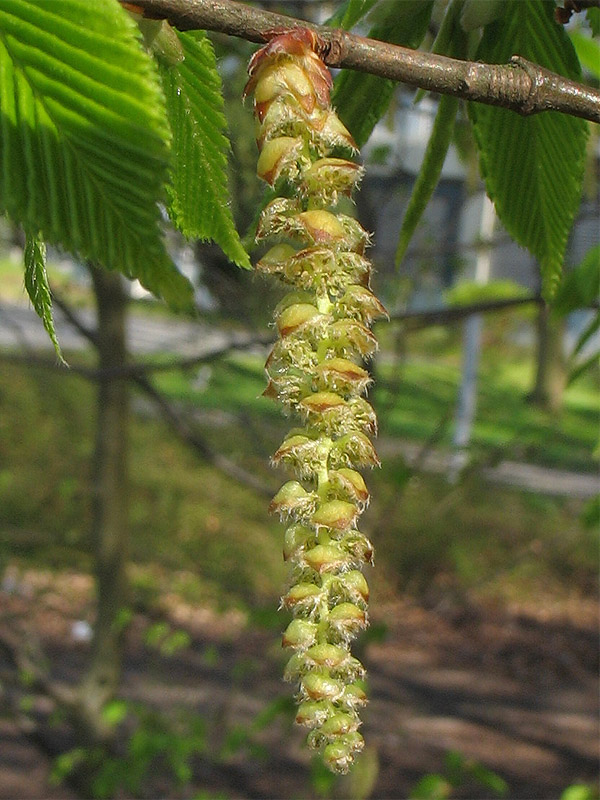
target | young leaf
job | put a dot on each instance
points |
(580, 287)
(588, 52)
(593, 18)
(532, 167)
(198, 192)
(451, 40)
(430, 171)
(36, 284)
(84, 137)
(361, 99)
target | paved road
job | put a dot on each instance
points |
(20, 327)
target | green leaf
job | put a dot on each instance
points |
(350, 13)
(451, 40)
(593, 18)
(477, 13)
(532, 167)
(588, 51)
(580, 287)
(84, 137)
(587, 334)
(431, 787)
(591, 361)
(361, 99)
(430, 171)
(580, 791)
(198, 192)
(36, 283)
(490, 780)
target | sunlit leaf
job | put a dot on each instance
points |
(84, 137)
(36, 284)
(199, 194)
(533, 166)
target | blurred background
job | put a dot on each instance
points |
(482, 652)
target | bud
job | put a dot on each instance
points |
(295, 667)
(339, 755)
(360, 304)
(353, 338)
(358, 546)
(274, 260)
(354, 585)
(320, 227)
(353, 697)
(329, 177)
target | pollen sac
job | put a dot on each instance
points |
(347, 619)
(292, 500)
(350, 484)
(316, 370)
(328, 178)
(299, 634)
(360, 304)
(320, 685)
(296, 539)
(295, 317)
(342, 375)
(302, 597)
(337, 514)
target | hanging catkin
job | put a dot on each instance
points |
(315, 369)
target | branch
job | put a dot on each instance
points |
(174, 419)
(442, 316)
(520, 86)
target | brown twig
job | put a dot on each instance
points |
(174, 419)
(563, 15)
(520, 85)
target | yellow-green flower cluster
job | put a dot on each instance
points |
(315, 369)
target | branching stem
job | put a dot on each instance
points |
(520, 85)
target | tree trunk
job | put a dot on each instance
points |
(110, 504)
(550, 374)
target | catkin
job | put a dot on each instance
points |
(316, 370)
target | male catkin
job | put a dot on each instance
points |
(315, 369)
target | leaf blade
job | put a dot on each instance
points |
(38, 289)
(84, 138)
(532, 167)
(198, 192)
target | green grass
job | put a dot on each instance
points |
(201, 535)
(420, 399)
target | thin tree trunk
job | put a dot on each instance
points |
(550, 371)
(110, 504)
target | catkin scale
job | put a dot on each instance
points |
(315, 369)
